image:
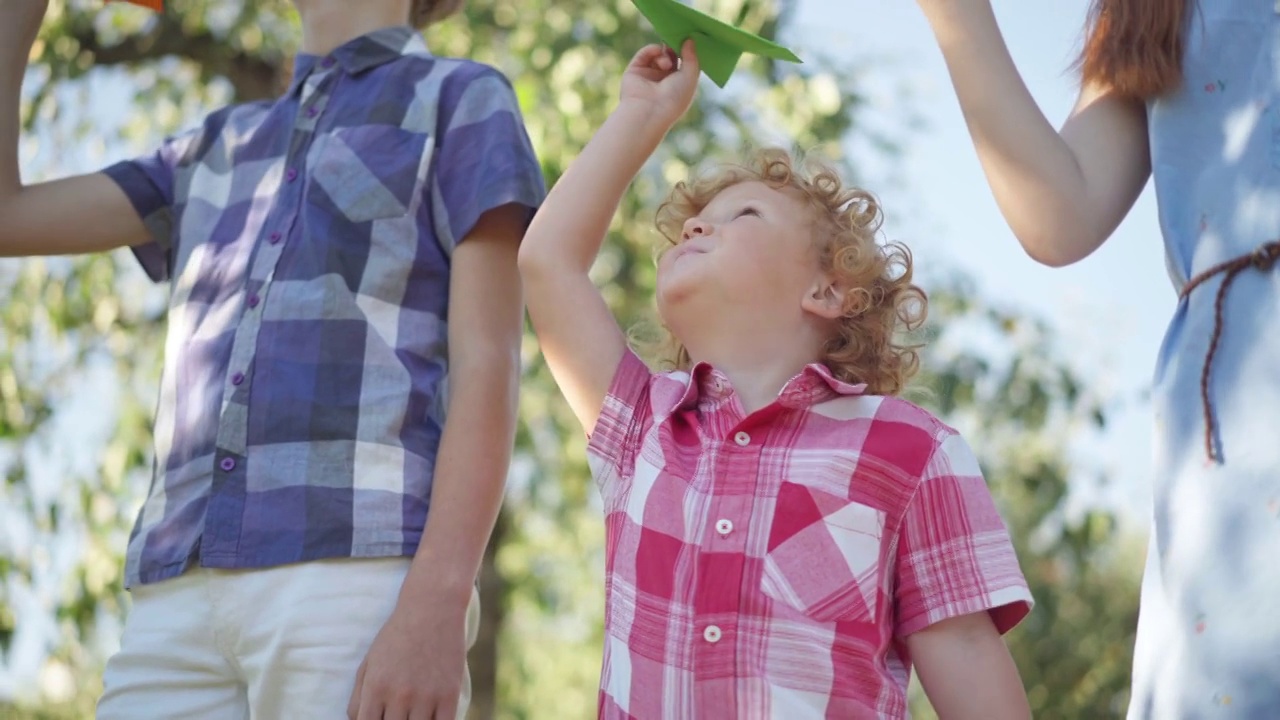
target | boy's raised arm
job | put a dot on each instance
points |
(580, 339)
(83, 214)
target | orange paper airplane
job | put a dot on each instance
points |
(156, 5)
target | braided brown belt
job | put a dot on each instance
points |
(1263, 259)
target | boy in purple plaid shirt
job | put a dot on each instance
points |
(343, 278)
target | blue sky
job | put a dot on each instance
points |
(1111, 308)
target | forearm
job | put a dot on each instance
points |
(571, 224)
(15, 47)
(469, 479)
(1034, 175)
(967, 672)
(89, 213)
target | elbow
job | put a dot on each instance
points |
(1048, 257)
(1057, 251)
(531, 258)
(528, 261)
(540, 262)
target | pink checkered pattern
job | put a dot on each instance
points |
(771, 565)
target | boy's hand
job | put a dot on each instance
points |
(655, 79)
(415, 666)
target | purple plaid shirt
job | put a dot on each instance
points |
(308, 244)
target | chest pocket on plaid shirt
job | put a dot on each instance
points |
(369, 172)
(823, 555)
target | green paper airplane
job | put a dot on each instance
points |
(719, 44)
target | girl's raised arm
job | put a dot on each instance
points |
(1062, 193)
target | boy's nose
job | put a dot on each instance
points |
(694, 227)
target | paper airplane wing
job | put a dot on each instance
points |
(719, 44)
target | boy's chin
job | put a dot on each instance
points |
(675, 293)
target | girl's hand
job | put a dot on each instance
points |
(655, 79)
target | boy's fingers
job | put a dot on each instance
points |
(647, 54)
(689, 56)
(353, 705)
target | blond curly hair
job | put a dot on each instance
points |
(881, 305)
(426, 12)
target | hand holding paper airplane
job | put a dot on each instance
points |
(719, 44)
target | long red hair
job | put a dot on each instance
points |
(1135, 46)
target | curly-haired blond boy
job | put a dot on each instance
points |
(786, 538)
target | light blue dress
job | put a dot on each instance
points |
(1209, 628)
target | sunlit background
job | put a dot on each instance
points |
(1046, 371)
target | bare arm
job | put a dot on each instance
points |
(967, 672)
(579, 337)
(486, 322)
(83, 214)
(486, 325)
(1062, 193)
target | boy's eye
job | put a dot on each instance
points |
(748, 211)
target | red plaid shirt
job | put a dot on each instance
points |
(771, 565)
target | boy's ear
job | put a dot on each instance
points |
(825, 299)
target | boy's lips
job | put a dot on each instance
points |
(691, 247)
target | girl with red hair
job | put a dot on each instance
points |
(1184, 92)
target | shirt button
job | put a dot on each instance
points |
(253, 301)
(742, 439)
(237, 379)
(227, 464)
(312, 112)
(724, 526)
(275, 238)
(711, 634)
(291, 174)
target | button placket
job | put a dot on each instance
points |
(226, 502)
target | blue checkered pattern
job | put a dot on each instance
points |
(308, 244)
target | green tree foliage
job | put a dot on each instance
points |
(82, 338)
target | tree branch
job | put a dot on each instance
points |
(253, 77)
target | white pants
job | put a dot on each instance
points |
(273, 644)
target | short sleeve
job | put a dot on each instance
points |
(626, 407)
(954, 553)
(484, 156)
(149, 183)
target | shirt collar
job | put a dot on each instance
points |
(814, 384)
(363, 53)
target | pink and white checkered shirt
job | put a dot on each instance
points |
(772, 565)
